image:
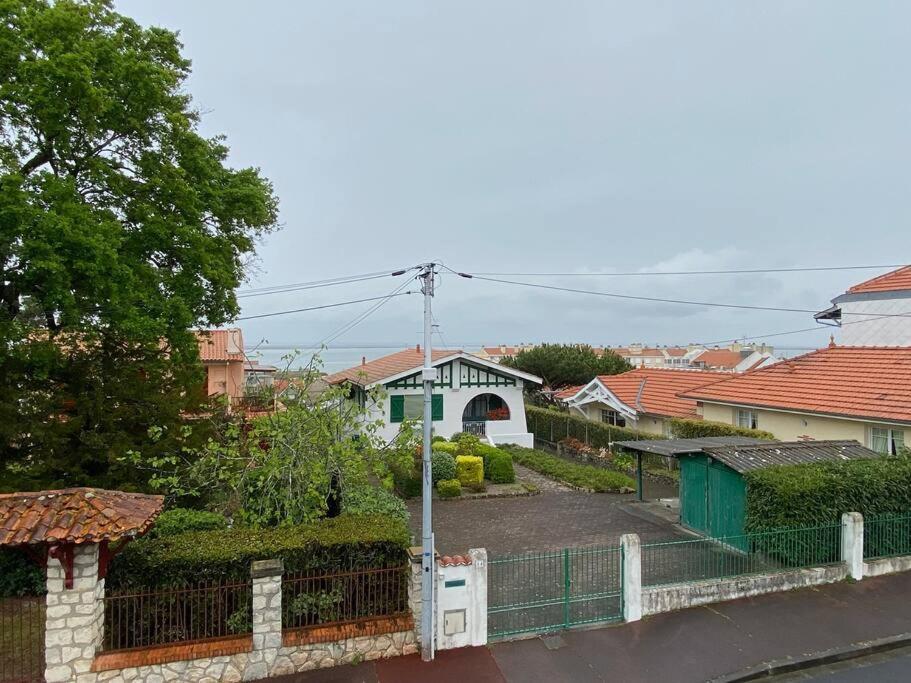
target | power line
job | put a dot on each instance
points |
(329, 282)
(363, 316)
(317, 308)
(808, 269)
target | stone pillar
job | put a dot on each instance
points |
(267, 617)
(74, 623)
(414, 589)
(852, 544)
(632, 577)
(462, 600)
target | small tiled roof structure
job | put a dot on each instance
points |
(455, 561)
(370, 372)
(867, 382)
(220, 345)
(75, 516)
(755, 457)
(674, 447)
(719, 358)
(897, 280)
(660, 395)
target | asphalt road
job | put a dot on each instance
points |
(888, 667)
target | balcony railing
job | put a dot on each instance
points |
(476, 427)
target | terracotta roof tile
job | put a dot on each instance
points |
(890, 282)
(662, 386)
(373, 371)
(455, 561)
(853, 381)
(77, 515)
(216, 345)
(719, 358)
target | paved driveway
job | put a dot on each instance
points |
(556, 518)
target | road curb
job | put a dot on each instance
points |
(840, 654)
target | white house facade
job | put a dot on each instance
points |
(470, 394)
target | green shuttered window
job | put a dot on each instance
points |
(412, 407)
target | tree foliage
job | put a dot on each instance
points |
(561, 365)
(121, 227)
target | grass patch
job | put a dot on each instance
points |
(584, 476)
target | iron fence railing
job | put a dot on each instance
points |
(548, 591)
(22, 639)
(144, 618)
(311, 600)
(887, 535)
(476, 427)
(699, 559)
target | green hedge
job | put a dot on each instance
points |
(180, 520)
(470, 470)
(554, 425)
(498, 468)
(442, 465)
(340, 543)
(449, 488)
(373, 500)
(694, 429)
(584, 476)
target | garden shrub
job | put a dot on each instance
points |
(468, 444)
(407, 480)
(443, 466)
(695, 429)
(19, 575)
(446, 447)
(555, 425)
(449, 488)
(340, 543)
(437, 438)
(470, 470)
(499, 469)
(180, 520)
(584, 476)
(373, 500)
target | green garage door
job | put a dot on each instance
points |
(727, 502)
(694, 492)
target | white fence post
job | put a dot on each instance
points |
(852, 544)
(462, 600)
(632, 577)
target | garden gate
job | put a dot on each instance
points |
(22, 639)
(549, 591)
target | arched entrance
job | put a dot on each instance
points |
(485, 407)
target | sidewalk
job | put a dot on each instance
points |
(688, 646)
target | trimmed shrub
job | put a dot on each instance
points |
(584, 476)
(695, 429)
(19, 576)
(446, 447)
(341, 543)
(498, 468)
(449, 488)
(468, 444)
(443, 466)
(373, 500)
(470, 470)
(180, 520)
(554, 425)
(438, 439)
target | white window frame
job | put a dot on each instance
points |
(612, 417)
(745, 415)
(413, 406)
(894, 438)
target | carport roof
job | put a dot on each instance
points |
(748, 458)
(674, 447)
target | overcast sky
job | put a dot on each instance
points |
(560, 136)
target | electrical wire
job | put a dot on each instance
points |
(317, 308)
(329, 282)
(733, 271)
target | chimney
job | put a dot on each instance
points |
(363, 360)
(417, 348)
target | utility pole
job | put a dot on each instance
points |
(428, 375)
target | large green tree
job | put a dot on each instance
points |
(121, 227)
(561, 365)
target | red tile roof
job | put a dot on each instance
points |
(568, 392)
(662, 386)
(896, 280)
(850, 381)
(78, 515)
(455, 561)
(379, 369)
(502, 350)
(214, 345)
(719, 358)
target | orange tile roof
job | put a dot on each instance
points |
(379, 369)
(719, 358)
(214, 344)
(568, 392)
(896, 280)
(502, 350)
(851, 381)
(77, 515)
(662, 386)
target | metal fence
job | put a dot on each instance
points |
(548, 591)
(22, 639)
(311, 600)
(887, 536)
(764, 552)
(135, 619)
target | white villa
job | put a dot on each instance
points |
(470, 394)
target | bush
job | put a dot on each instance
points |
(498, 468)
(470, 470)
(180, 520)
(438, 439)
(373, 500)
(19, 576)
(407, 480)
(584, 476)
(446, 447)
(449, 488)
(443, 466)
(554, 425)
(468, 444)
(341, 543)
(695, 429)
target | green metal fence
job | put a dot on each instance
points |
(700, 559)
(887, 536)
(549, 591)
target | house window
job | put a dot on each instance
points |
(411, 407)
(612, 417)
(887, 440)
(747, 419)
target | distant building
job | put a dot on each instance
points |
(258, 376)
(876, 312)
(497, 353)
(222, 355)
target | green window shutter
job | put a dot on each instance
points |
(396, 408)
(436, 407)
